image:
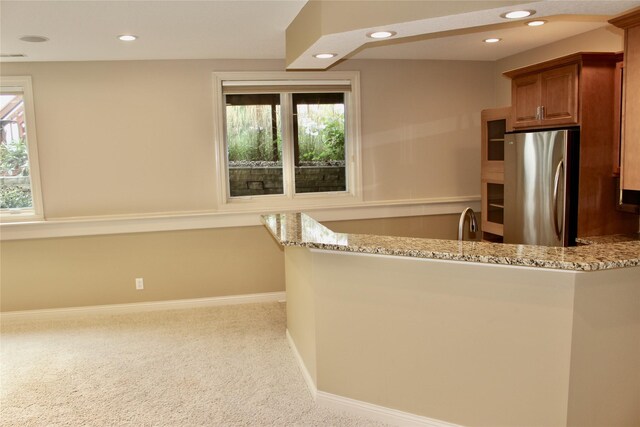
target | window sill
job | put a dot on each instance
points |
(13, 217)
(279, 203)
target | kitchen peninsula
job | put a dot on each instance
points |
(469, 333)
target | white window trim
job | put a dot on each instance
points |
(290, 201)
(20, 215)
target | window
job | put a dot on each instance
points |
(254, 144)
(318, 142)
(20, 197)
(287, 139)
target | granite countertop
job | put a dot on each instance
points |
(601, 253)
(614, 238)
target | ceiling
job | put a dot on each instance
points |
(175, 29)
(254, 29)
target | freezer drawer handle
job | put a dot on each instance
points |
(556, 184)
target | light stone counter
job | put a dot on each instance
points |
(599, 253)
(614, 238)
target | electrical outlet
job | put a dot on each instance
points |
(139, 284)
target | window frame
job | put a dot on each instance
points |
(35, 213)
(290, 199)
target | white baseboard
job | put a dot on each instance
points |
(311, 385)
(65, 313)
(376, 412)
(358, 407)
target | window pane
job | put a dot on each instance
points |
(319, 142)
(15, 183)
(254, 144)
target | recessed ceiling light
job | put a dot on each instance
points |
(536, 23)
(492, 40)
(324, 55)
(127, 37)
(516, 14)
(381, 34)
(34, 39)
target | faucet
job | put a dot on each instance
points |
(473, 223)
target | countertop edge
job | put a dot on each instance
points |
(300, 230)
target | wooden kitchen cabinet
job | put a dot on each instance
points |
(547, 98)
(630, 149)
(578, 90)
(552, 93)
(494, 124)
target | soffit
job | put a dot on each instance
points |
(435, 29)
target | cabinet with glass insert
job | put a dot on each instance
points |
(495, 122)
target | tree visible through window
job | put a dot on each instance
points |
(255, 145)
(287, 139)
(20, 197)
(318, 138)
(15, 184)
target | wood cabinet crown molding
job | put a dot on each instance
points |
(628, 19)
(579, 57)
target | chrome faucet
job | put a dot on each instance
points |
(473, 223)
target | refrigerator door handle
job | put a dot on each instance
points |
(556, 184)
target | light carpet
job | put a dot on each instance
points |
(218, 366)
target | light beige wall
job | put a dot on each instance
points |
(301, 314)
(605, 362)
(134, 137)
(474, 344)
(430, 227)
(421, 126)
(605, 39)
(97, 270)
(126, 137)
(470, 344)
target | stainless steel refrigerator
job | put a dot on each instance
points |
(541, 187)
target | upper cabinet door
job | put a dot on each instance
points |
(494, 124)
(547, 98)
(559, 96)
(525, 94)
(631, 144)
(630, 168)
